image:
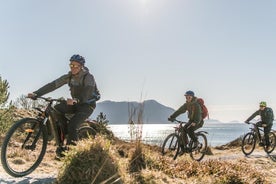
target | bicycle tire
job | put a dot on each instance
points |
(272, 141)
(86, 132)
(18, 157)
(248, 143)
(199, 152)
(170, 145)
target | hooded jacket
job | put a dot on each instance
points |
(267, 115)
(194, 111)
(82, 86)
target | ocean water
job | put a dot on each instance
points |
(218, 133)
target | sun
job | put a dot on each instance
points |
(144, 2)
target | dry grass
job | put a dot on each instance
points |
(101, 159)
(106, 159)
(89, 162)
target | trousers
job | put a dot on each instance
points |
(80, 113)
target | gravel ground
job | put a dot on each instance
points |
(32, 178)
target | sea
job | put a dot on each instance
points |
(154, 134)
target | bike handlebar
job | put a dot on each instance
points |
(49, 99)
(178, 121)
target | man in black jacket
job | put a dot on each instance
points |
(266, 122)
(82, 86)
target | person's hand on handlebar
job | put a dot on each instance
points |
(171, 119)
(71, 101)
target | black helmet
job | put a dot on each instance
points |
(78, 58)
(189, 93)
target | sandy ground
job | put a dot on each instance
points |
(46, 172)
(48, 169)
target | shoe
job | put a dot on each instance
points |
(261, 144)
(60, 151)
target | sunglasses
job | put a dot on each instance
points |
(74, 66)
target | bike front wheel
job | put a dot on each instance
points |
(198, 152)
(86, 132)
(24, 147)
(272, 143)
(170, 146)
(248, 143)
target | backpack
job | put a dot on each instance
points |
(203, 108)
(95, 95)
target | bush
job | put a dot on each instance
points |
(88, 162)
(6, 117)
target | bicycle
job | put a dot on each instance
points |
(26, 141)
(256, 134)
(173, 142)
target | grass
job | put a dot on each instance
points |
(107, 159)
(100, 160)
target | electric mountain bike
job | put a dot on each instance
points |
(257, 134)
(26, 141)
(174, 142)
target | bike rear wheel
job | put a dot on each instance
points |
(86, 132)
(248, 143)
(170, 146)
(199, 151)
(272, 143)
(24, 147)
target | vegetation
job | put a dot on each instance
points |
(106, 161)
(28, 104)
(6, 117)
(114, 161)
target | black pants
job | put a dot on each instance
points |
(267, 129)
(190, 130)
(80, 111)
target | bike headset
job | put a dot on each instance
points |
(78, 58)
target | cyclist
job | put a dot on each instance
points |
(82, 87)
(194, 115)
(266, 122)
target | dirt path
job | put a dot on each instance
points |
(260, 160)
(46, 172)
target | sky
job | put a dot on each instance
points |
(147, 49)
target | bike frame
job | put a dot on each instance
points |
(48, 117)
(179, 132)
(256, 130)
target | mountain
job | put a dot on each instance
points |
(120, 112)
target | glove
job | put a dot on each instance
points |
(247, 122)
(171, 119)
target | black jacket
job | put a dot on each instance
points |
(267, 115)
(81, 85)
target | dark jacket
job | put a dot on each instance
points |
(81, 85)
(194, 111)
(267, 115)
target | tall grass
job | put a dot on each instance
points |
(89, 162)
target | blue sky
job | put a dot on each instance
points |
(157, 49)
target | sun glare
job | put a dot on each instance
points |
(144, 2)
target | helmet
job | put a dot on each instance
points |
(263, 104)
(189, 93)
(78, 58)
